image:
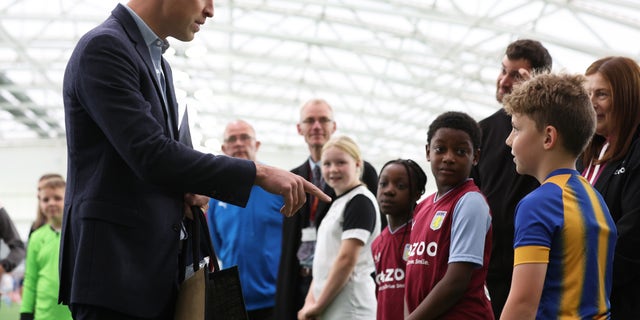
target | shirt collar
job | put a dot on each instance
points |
(150, 38)
(312, 164)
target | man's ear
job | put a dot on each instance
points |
(550, 137)
(299, 130)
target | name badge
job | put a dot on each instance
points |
(309, 234)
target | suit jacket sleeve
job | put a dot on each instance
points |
(113, 86)
(10, 236)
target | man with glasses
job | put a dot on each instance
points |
(249, 237)
(299, 232)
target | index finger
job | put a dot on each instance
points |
(315, 191)
(287, 208)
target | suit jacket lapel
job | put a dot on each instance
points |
(323, 207)
(171, 95)
(131, 28)
(184, 134)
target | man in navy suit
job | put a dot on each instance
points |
(129, 179)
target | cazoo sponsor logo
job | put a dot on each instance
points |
(419, 249)
(390, 275)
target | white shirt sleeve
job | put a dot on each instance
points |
(471, 222)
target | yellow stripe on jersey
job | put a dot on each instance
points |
(575, 258)
(530, 254)
(582, 243)
(603, 244)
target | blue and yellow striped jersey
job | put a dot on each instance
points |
(566, 223)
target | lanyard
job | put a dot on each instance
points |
(592, 176)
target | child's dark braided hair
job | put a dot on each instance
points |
(417, 177)
(417, 182)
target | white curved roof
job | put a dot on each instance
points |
(387, 67)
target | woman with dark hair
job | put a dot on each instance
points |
(611, 163)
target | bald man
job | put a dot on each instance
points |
(316, 125)
(249, 237)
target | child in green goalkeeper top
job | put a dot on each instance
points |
(563, 225)
(41, 284)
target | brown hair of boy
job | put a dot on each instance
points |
(558, 100)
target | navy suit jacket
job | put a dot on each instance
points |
(127, 175)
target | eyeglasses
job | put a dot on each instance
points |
(322, 121)
(242, 137)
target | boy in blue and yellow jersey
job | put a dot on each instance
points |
(564, 234)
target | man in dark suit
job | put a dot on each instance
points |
(496, 174)
(298, 232)
(129, 179)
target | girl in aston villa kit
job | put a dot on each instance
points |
(400, 185)
(451, 233)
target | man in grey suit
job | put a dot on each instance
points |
(129, 179)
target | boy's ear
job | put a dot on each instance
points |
(550, 137)
(426, 149)
(476, 156)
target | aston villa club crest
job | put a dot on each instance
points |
(436, 222)
(405, 253)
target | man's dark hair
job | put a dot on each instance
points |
(530, 50)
